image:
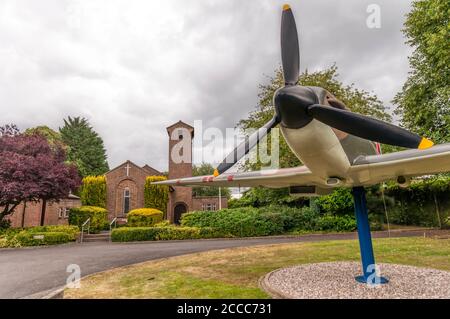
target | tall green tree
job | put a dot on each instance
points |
(86, 148)
(207, 169)
(356, 99)
(424, 102)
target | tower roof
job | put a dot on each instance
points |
(180, 124)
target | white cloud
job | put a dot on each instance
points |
(135, 67)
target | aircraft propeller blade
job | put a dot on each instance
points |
(242, 149)
(367, 127)
(290, 52)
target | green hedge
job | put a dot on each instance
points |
(144, 217)
(72, 231)
(93, 191)
(247, 221)
(125, 234)
(241, 222)
(336, 223)
(420, 203)
(51, 235)
(26, 238)
(269, 220)
(98, 215)
(339, 202)
(156, 196)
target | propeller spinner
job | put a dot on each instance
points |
(296, 106)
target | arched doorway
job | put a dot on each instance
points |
(178, 211)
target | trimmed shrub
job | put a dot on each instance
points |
(177, 233)
(98, 215)
(143, 217)
(336, 223)
(40, 235)
(27, 238)
(93, 191)
(241, 222)
(293, 218)
(209, 232)
(72, 231)
(269, 220)
(125, 234)
(156, 196)
(164, 223)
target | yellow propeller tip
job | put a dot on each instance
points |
(216, 173)
(425, 143)
(286, 7)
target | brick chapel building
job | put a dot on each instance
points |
(125, 188)
(125, 183)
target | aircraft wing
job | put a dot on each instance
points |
(368, 170)
(274, 178)
(365, 170)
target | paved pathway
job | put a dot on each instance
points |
(30, 271)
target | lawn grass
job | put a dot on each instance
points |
(234, 273)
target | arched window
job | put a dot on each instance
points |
(126, 200)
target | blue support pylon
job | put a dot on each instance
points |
(365, 239)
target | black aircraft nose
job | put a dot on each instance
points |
(291, 105)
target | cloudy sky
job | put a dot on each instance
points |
(134, 67)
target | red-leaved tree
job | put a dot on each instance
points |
(32, 170)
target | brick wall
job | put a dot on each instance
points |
(201, 202)
(32, 215)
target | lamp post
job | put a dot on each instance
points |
(220, 198)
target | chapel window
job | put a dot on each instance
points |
(63, 212)
(126, 200)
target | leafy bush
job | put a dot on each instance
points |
(242, 222)
(419, 203)
(98, 216)
(293, 218)
(125, 234)
(143, 217)
(269, 220)
(336, 223)
(93, 191)
(209, 232)
(339, 202)
(156, 196)
(263, 196)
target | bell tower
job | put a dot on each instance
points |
(180, 165)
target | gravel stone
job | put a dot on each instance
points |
(336, 280)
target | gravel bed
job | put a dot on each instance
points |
(336, 280)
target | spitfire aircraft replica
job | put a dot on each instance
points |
(336, 146)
